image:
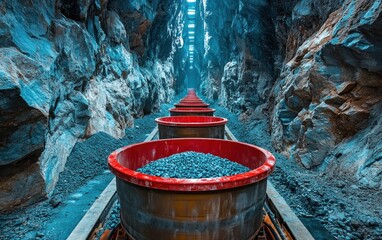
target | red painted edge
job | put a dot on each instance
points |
(192, 110)
(191, 104)
(191, 121)
(204, 184)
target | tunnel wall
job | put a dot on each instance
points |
(239, 53)
(81, 68)
(312, 68)
(327, 100)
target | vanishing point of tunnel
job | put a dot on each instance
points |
(300, 79)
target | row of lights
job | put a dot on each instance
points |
(191, 11)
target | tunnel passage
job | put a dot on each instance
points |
(305, 74)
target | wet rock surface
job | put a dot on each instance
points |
(69, 71)
(23, 125)
(84, 177)
(348, 211)
(329, 95)
(192, 165)
(312, 68)
(237, 62)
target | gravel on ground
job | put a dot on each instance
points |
(345, 209)
(85, 176)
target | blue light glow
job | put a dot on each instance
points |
(191, 25)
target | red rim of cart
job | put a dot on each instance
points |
(182, 184)
(191, 105)
(191, 121)
(192, 110)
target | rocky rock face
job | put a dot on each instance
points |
(328, 99)
(312, 67)
(83, 67)
(26, 56)
(22, 127)
(238, 59)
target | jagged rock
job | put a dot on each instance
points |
(337, 65)
(68, 113)
(137, 17)
(345, 87)
(22, 134)
(306, 17)
(115, 29)
(285, 114)
(23, 106)
(23, 125)
(62, 78)
(77, 10)
(21, 183)
(110, 100)
(334, 99)
(363, 163)
(247, 74)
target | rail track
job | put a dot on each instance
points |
(279, 222)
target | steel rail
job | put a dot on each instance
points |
(94, 217)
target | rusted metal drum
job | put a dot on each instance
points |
(192, 105)
(191, 126)
(191, 98)
(192, 111)
(191, 102)
(188, 98)
(210, 208)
